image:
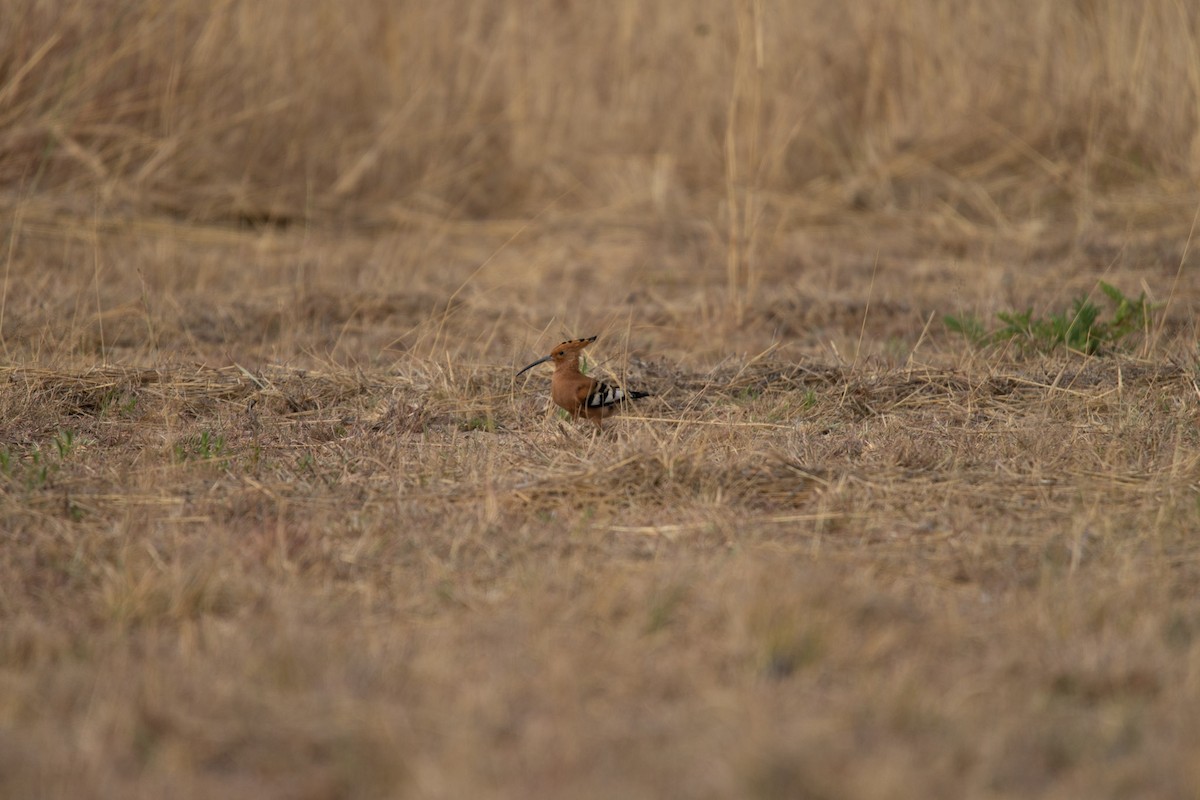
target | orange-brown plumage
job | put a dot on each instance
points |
(578, 394)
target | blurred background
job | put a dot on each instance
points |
(746, 112)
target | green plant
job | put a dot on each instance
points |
(207, 446)
(1129, 316)
(481, 423)
(38, 466)
(64, 442)
(40, 469)
(210, 446)
(969, 325)
(114, 402)
(747, 394)
(1082, 328)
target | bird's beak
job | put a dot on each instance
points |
(534, 364)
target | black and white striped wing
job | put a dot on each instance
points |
(603, 395)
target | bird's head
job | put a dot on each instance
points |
(564, 352)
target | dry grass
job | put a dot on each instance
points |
(279, 522)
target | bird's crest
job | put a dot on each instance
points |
(572, 345)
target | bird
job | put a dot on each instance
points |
(576, 393)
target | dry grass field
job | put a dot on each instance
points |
(277, 521)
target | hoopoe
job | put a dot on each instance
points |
(575, 392)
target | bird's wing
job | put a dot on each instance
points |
(600, 395)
